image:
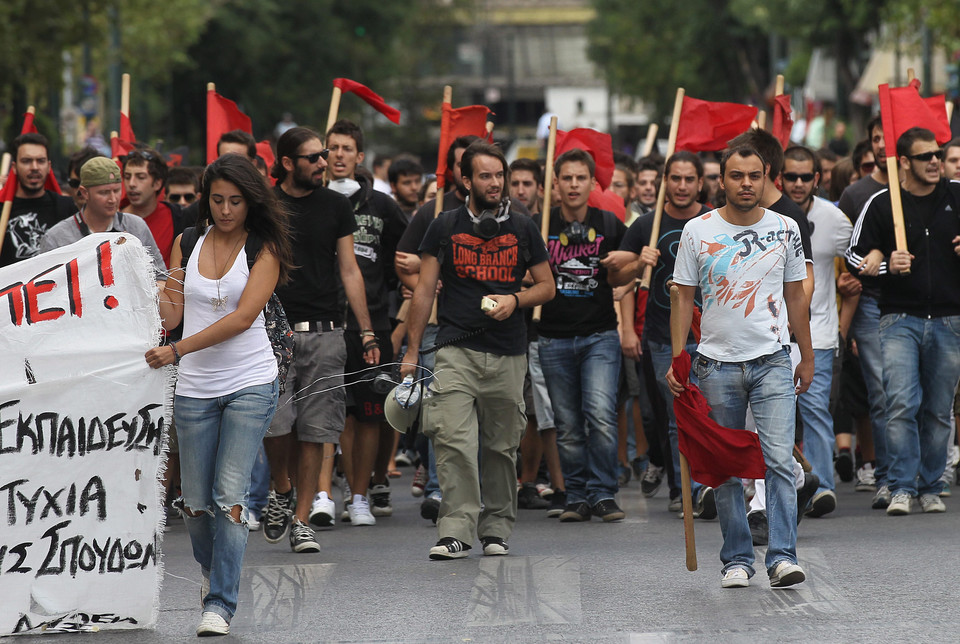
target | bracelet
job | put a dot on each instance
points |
(371, 344)
(367, 332)
(176, 354)
(515, 297)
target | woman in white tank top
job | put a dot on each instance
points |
(227, 384)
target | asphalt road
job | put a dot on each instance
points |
(870, 577)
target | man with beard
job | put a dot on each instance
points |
(919, 317)
(323, 224)
(35, 209)
(741, 358)
(526, 184)
(475, 413)
(684, 182)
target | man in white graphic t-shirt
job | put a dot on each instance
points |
(748, 262)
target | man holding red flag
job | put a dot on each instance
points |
(919, 318)
(748, 264)
(36, 207)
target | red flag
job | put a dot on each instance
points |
(373, 99)
(50, 183)
(223, 115)
(455, 123)
(598, 144)
(715, 453)
(126, 130)
(707, 126)
(606, 200)
(782, 119)
(265, 152)
(902, 108)
(9, 190)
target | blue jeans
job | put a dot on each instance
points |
(259, 485)
(662, 357)
(865, 329)
(582, 375)
(219, 442)
(766, 385)
(921, 366)
(818, 438)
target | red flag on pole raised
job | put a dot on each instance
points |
(902, 108)
(223, 115)
(598, 144)
(782, 119)
(454, 123)
(708, 125)
(373, 99)
(715, 453)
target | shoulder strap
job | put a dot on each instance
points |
(188, 241)
(252, 248)
(523, 239)
(447, 220)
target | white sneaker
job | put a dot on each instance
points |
(359, 511)
(899, 504)
(253, 523)
(212, 624)
(932, 503)
(866, 479)
(322, 511)
(735, 578)
(786, 574)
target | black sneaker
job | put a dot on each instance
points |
(302, 538)
(430, 508)
(823, 503)
(575, 512)
(608, 510)
(529, 499)
(758, 527)
(493, 546)
(810, 484)
(844, 465)
(706, 506)
(558, 503)
(449, 548)
(380, 504)
(652, 479)
(276, 516)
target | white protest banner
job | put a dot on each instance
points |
(81, 439)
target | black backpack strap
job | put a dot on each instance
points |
(252, 248)
(188, 241)
(447, 220)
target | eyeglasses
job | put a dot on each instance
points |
(712, 177)
(926, 157)
(186, 197)
(313, 158)
(867, 166)
(792, 177)
(73, 183)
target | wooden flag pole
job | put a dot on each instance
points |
(762, 120)
(547, 194)
(662, 194)
(7, 205)
(949, 108)
(5, 166)
(125, 95)
(334, 110)
(651, 139)
(678, 337)
(779, 89)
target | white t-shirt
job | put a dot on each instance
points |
(830, 232)
(236, 363)
(741, 271)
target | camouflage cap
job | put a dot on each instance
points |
(99, 171)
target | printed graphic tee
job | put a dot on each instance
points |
(741, 271)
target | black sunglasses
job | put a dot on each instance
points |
(313, 158)
(867, 166)
(791, 177)
(73, 183)
(926, 156)
(188, 197)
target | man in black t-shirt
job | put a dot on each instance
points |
(579, 343)
(322, 226)
(684, 182)
(482, 251)
(34, 209)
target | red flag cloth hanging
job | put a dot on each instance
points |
(454, 123)
(605, 200)
(373, 99)
(50, 183)
(223, 115)
(265, 152)
(598, 144)
(126, 130)
(902, 108)
(9, 190)
(707, 125)
(715, 453)
(782, 119)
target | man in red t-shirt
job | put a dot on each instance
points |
(144, 174)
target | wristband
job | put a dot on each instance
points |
(367, 332)
(517, 299)
(176, 354)
(371, 344)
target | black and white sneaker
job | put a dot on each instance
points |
(706, 504)
(276, 516)
(449, 548)
(651, 481)
(494, 546)
(380, 504)
(302, 538)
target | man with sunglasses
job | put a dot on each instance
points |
(35, 209)
(920, 318)
(829, 236)
(144, 174)
(183, 186)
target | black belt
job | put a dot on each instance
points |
(320, 326)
